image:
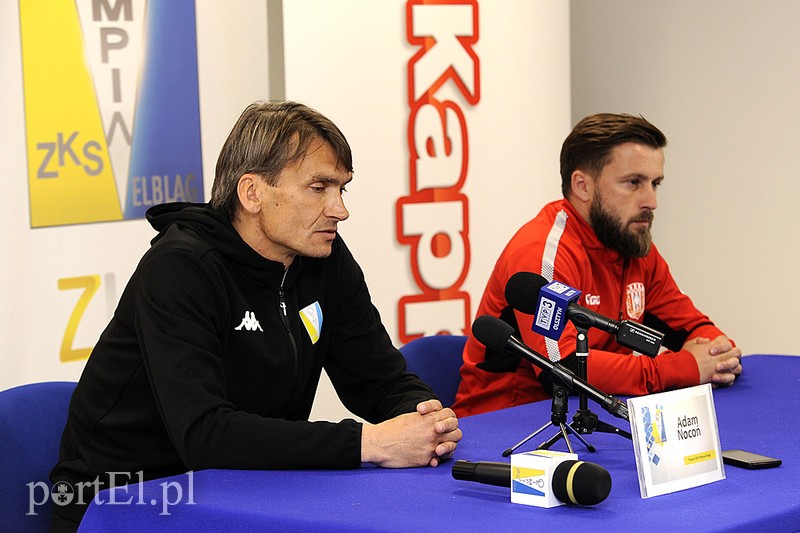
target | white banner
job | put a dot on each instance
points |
(74, 77)
(495, 83)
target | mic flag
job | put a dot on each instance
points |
(548, 482)
(551, 309)
(553, 303)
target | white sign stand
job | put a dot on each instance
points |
(676, 440)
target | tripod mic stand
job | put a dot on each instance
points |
(585, 421)
(499, 336)
(558, 417)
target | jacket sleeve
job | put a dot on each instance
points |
(179, 324)
(368, 372)
(673, 310)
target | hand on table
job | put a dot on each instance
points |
(426, 437)
(718, 360)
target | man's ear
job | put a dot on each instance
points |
(247, 189)
(582, 186)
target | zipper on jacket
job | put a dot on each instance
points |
(285, 318)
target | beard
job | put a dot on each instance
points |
(614, 233)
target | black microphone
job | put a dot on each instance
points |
(497, 335)
(523, 292)
(486, 472)
(575, 482)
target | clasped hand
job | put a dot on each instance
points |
(718, 360)
(426, 437)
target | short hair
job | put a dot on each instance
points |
(588, 147)
(268, 137)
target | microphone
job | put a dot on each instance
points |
(486, 472)
(572, 482)
(497, 335)
(550, 302)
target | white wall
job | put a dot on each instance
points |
(720, 78)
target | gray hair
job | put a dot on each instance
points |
(268, 137)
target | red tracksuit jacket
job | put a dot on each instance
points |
(561, 246)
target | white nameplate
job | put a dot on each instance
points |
(676, 440)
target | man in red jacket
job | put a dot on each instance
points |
(597, 239)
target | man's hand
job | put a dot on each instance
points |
(426, 437)
(718, 360)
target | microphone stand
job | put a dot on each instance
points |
(558, 417)
(584, 421)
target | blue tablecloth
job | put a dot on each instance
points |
(760, 414)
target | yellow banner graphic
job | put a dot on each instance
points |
(70, 176)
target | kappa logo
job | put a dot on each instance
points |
(249, 322)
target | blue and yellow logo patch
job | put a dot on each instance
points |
(311, 316)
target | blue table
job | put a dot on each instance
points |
(759, 414)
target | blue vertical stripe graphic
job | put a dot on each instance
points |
(166, 156)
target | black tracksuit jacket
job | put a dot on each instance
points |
(207, 362)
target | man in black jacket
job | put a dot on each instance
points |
(214, 354)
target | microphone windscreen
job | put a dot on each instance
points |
(522, 291)
(581, 483)
(492, 332)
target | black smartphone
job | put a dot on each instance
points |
(749, 460)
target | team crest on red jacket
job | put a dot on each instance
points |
(635, 300)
